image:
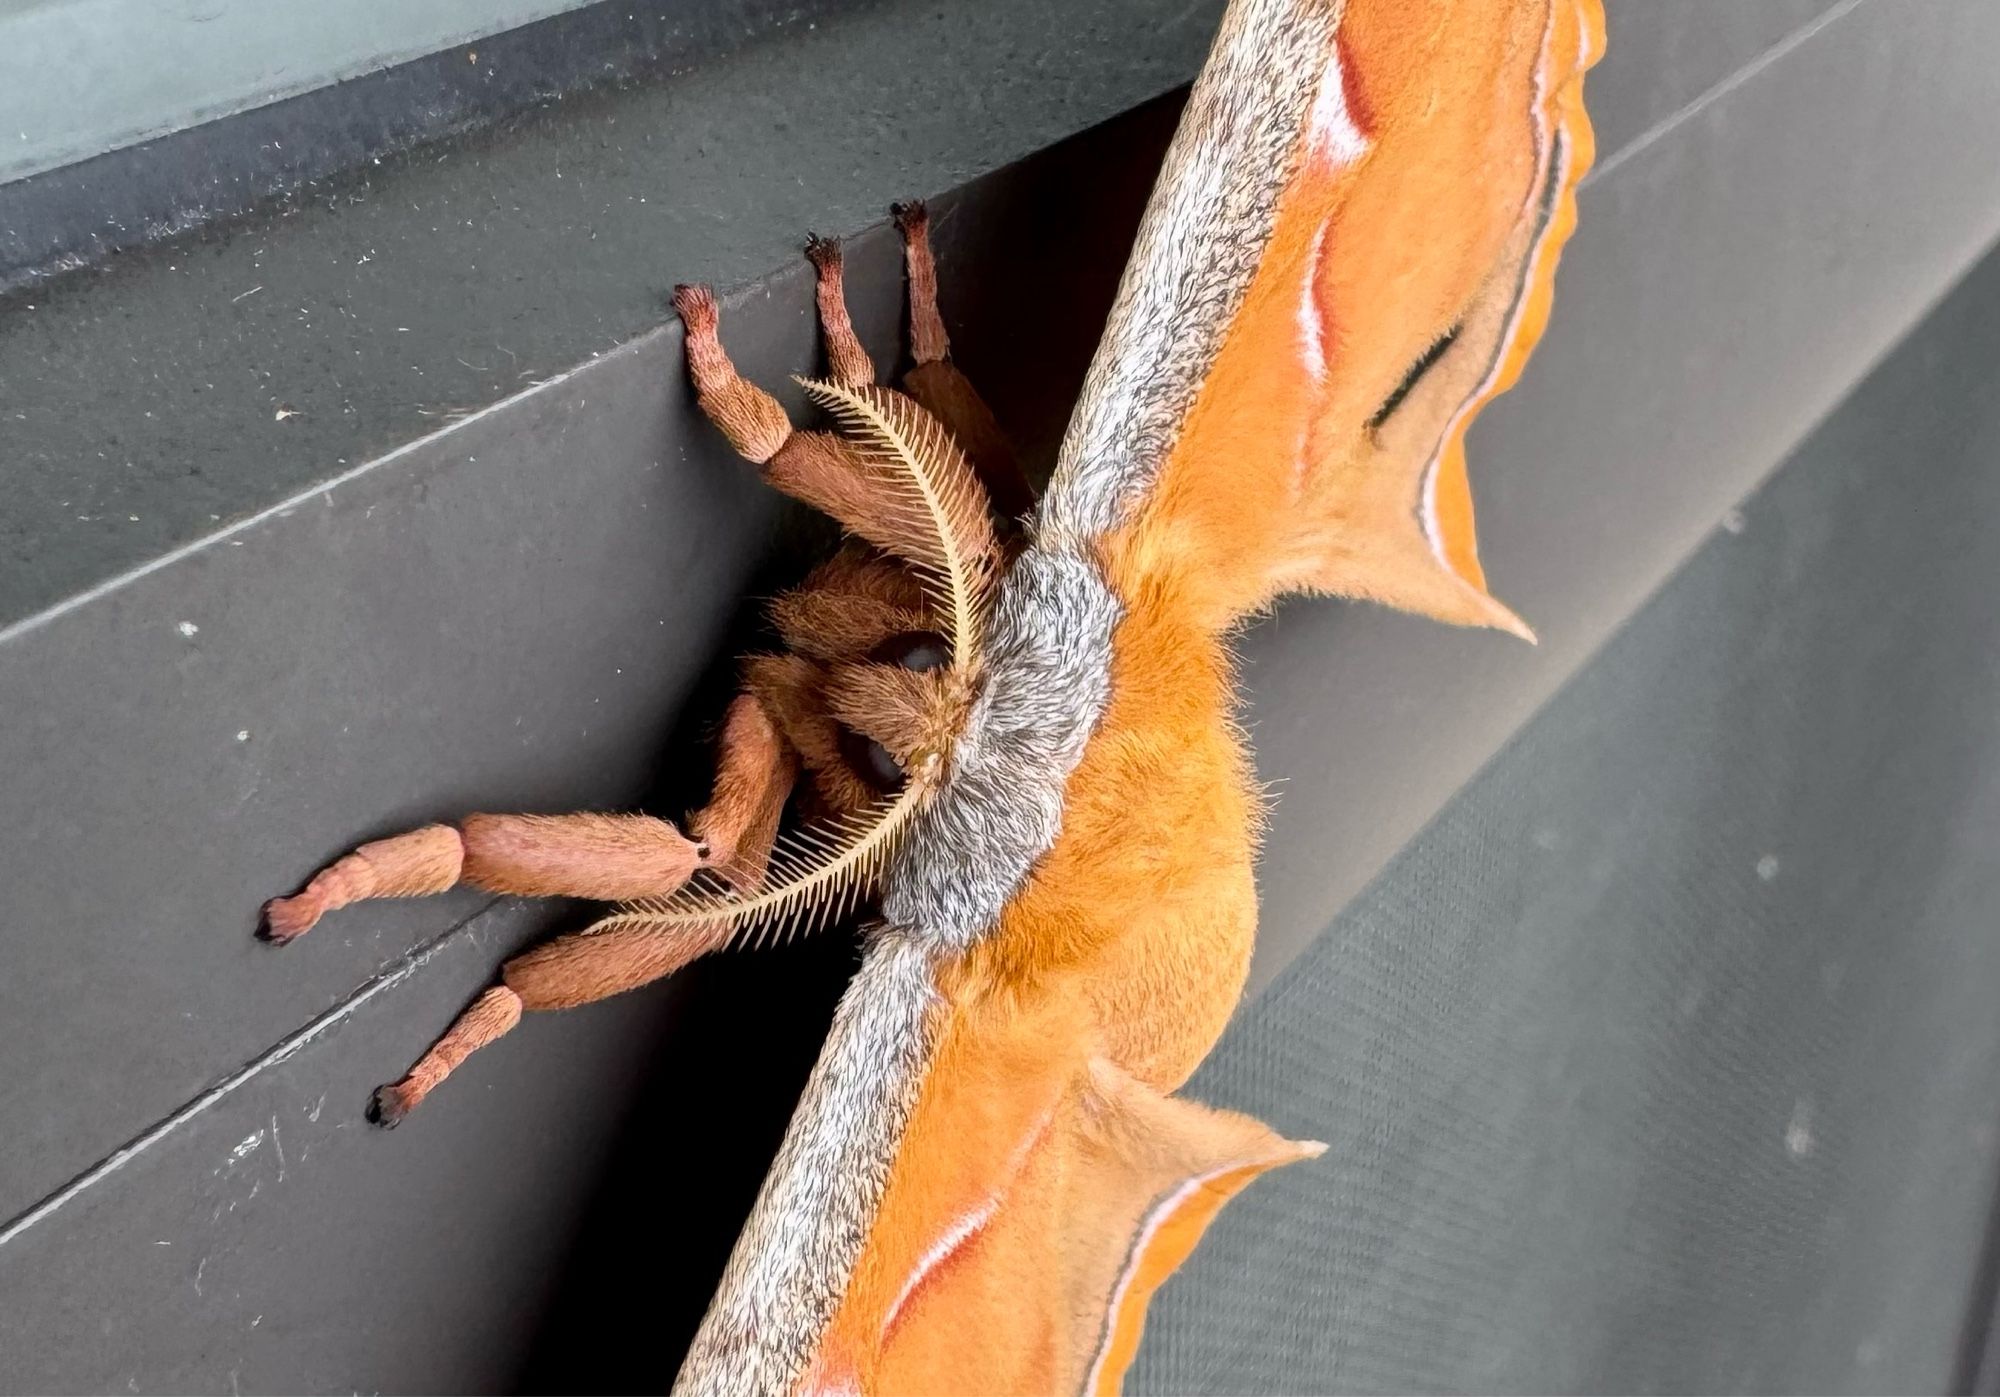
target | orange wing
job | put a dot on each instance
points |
(1406, 279)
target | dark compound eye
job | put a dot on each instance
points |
(917, 650)
(871, 760)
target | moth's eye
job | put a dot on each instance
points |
(871, 761)
(918, 650)
(1425, 363)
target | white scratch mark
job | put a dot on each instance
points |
(246, 295)
(313, 1114)
(200, 1266)
(281, 1052)
(279, 1146)
(249, 1145)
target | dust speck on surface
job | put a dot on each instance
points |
(188, 628)
(1733, 521)
(1767, 867)
(1798, 1130)
(243, 734)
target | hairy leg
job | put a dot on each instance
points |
(611, 858)
(847, 362)
(821, 469)
(427, 860)
(740, 822)
(606, 858)
(849, 605)
(941, 389)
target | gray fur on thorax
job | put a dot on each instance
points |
(1047, 680)
(1048, 676)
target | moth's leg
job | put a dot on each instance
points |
(850, 604)
(847, 362)
(792, 689)
(755, 772)
(937, 384)
(753, 782)
(819, 468)
(491, 1015)
(423, 861)
(928, 342)
(740, 822)
(607, 857)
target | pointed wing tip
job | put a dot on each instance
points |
(1498, 616)
(1516, 627)
(1308, 1149)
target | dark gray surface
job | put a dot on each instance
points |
(140, 404)
(1665, 1059)
(138, 195)
(1737, 271)
(1665, 56)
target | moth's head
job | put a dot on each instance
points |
(879, 666)
(899, 707)
(885, 639)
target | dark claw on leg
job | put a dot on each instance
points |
(285, 919)
(387, 1107)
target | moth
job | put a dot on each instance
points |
(1005, 724)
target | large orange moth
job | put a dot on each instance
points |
(1005, 724)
